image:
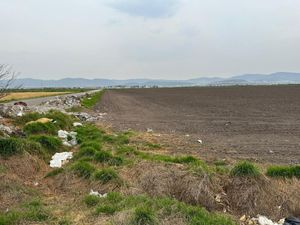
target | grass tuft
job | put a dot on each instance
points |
(284, 171)
(83, 169)
(245, 168)
(106, 175)
(49, 142)
(40, 128)
(143, 215)
(91, 200)
(54, 172)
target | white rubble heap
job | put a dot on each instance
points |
(59, 159)
(259, 220)
(83, 116)
(68, 138)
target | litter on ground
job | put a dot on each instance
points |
(77, 124)
(96, 193)
(59, 159)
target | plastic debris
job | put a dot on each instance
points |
(200, 141)
(96, 193)
(62, 134)
(149, 130)
(262, 220)
(77, 124)
(69, 138)
(292, 221)
(59, 159)
(41, 120)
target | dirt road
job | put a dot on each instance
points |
(255, 122)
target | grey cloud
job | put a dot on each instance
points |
(146, 8)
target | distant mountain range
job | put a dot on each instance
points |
(246, 79)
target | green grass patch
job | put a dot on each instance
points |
(94, 144)
(106, 175)
(153, 145)
(83, 169)
(28, 117)
(62, 120)
(89, 133)
(152, 210)
(49, 142)
(91, 200)
(40, 128)
(91, 100)
(54, 172)
(245, 168)
(13, 146)
(86, 152)
(33, 211)
(284, 171)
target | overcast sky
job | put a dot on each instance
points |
(170, 39)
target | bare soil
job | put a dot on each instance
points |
(261, 123)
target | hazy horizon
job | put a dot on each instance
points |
(134, 39)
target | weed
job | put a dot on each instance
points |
(54, 172)
(40, 128)
(245, 168)
(116, 139)
(83, 169)
(48, 142)
(153, 145)
(106, 175)
(91, 200)
(115, 161)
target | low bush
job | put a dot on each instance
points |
(49, 142)
(40, 128)
(83, 169)
(245, 168)
(91, 200)
(284, 171)
(106, 175)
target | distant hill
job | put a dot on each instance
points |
(246, 79)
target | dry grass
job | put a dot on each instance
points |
(26, 95)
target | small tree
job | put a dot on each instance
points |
(7, 78)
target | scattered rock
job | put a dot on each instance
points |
(59, 159)
(149, 130)
(69, 138)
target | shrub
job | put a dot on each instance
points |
(86, 152)
(48, 142)
(245, 168)
(106, 209)
(103, 156)
(94, 144)
(40, 128)
(62, 120)
(91, 200)
(143, 215)
(284, 171)
(83, 169)
(106, 175)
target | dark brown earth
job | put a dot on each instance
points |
(260, 123)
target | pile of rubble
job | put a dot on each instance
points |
(87, 117)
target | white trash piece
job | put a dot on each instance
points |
(262, 220)
(77, 124)
(62, 134)
(59, 159)
(200, 141)
(96, 193)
